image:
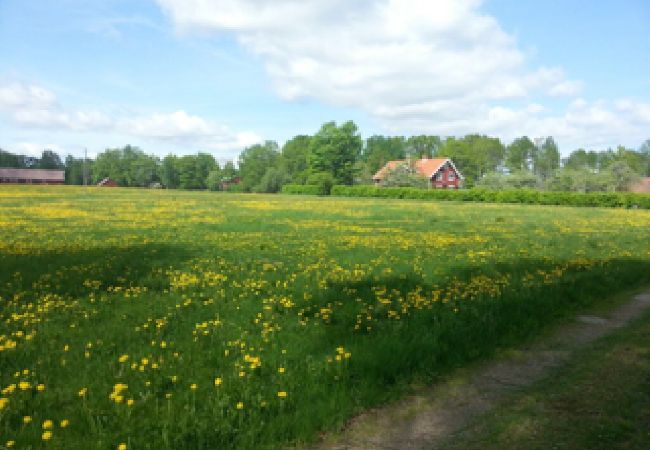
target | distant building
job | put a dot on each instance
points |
(642, 187)
(32, 176)
(441, 172)
(107, 182)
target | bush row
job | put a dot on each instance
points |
(301, 189)
(597, 199)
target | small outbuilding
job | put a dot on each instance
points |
(441, 172)
(642, 186)
(107, 182)
(31, 176)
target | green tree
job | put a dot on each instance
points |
(254, 161)
(50, 160)
(334, 150)
(381, 149)
(8, 159)
(169, 173)
(74, 170)
(295, 158)
(423, 146)
(520, 154)
(273, 180)
(474, 155)
(547, 159)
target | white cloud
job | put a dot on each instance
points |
(416, 66)
(377, 55)
(34, 107)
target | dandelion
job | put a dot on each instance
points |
(10, 444)
(24, 385)
(64, 423)
(280, 369)
(123, 358)
(27, 419)
(82, 392)
(121, 447)
(47, 424)
(130, 402)
(40, 387)
(46, 436)
(217, 381)
(240, 405)
(193, 386)
(282, 394)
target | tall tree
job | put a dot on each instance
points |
(294, 158)
(50, 160)
(423, 146)
(520, 154)
(254, 162)
(547, 159)
(334, 150)
(381, 149)
(169, 173)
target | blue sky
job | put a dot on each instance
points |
(183, 76)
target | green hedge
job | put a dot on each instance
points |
(301, 189)
(597, 199)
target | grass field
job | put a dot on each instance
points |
(148, 319)
(600, 402)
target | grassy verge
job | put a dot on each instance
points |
(601, 401)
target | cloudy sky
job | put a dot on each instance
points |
(216, 75)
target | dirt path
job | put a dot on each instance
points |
(428, 419)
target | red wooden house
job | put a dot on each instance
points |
(441, 172)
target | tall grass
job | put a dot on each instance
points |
(178, 320)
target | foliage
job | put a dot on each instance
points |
(254, 162)
(191, 320)
(474, 155)
(295, 154)
(334, 150)
(596, 199)
(273, 180)
(301, 189)
(404, 175)
(324, 181)
(214, 180)
(128, 166)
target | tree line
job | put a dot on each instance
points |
(337, 154)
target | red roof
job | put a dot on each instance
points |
(33, 174)
(425, 167)
(643, 186)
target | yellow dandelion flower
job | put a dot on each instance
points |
(82, 392)
(130, 402)
(282, 394)
(10, 444)
(217, 381)
(121, 447)
(240, 405)
(47, 424)
(281, 369)
(40, 387)
(27, 419)
(24, 385)
(64, 423)
(193, 386)
(47, 436)
(123, 358)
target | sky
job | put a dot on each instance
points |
(182, 76)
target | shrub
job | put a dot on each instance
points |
(526, 196)
(300, 189)
(324, 181)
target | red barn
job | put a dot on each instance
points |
(441, 172)
(107, 182)
(31, 176)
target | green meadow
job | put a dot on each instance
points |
(152, 319)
